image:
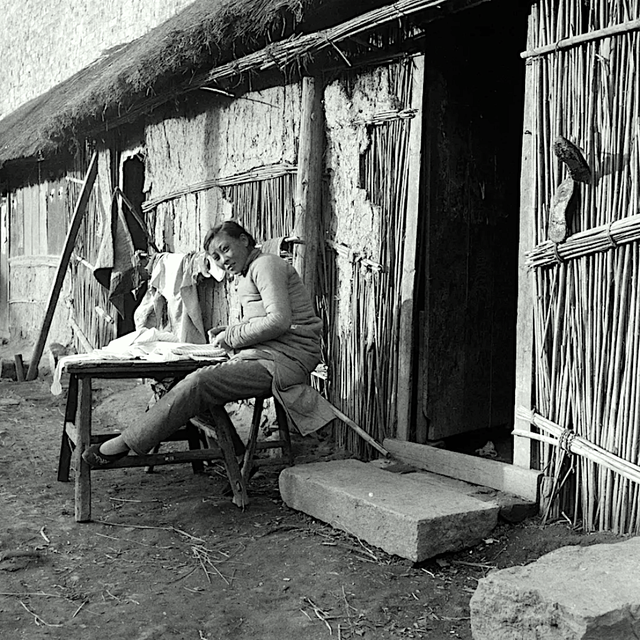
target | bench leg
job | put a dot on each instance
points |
(283, 430)
(83, 471)
(193, 438)
(223, 425)
(66, 450)
(247, 465)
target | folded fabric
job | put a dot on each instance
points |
(142, 344)
(199, 351)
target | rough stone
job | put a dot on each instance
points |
(573, 593)
(398, 514)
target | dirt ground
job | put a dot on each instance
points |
(168, 557)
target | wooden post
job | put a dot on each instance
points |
(524, 332)
(408, 284)
(72, 234)
(309, 182)
(82, 469)
(17, 358)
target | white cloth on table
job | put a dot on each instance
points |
(143, 344)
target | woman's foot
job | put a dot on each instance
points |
(96, 459)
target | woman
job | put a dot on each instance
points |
(275, 346)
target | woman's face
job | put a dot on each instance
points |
(229, 253)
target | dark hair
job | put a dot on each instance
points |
(230, 227)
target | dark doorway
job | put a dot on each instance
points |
(474, 92)
(132, 187)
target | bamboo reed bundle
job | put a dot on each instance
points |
(586, 350)
(566, 43)
(87, 293)
(283, 53)
(266, 172)
(363, 362)
(583, 243)
(577, 444)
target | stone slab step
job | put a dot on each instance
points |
(573, 593)
(399, 514)
(513, 509)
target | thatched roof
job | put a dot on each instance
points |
(161, 64)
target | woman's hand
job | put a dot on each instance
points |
(219, 340)
(216, 331)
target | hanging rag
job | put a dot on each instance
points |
(172, 301)
(114, 268)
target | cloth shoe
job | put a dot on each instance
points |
(98, 460)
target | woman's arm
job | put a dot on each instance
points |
(271, 278)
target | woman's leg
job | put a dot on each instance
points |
(197, 394)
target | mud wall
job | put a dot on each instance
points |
(226, 139)
(60, 38)
(352, 218)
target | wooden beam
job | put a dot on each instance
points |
(482, 471)
(574, 41)
(407, 348)
(69, 244)
(308, 207)
(524, 328)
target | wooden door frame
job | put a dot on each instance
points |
(405, 411)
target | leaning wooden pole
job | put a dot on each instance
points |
(406, 342)
(54, 294)
(308, 206)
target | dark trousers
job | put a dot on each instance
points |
(201, 393)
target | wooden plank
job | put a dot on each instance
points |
(309, 182)
(83, 472)
(404, 404)
(16, 224)
(524, 330)
(481, 471)
(70, 241)
(159, 459)
(39, 229)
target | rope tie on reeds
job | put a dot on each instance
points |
(556, 254)
(612, 243)
(565, 440)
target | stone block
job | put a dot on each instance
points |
(398, 514)
(573, 593)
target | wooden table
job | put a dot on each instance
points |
(77, 427)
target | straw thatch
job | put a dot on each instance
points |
(209, 42)
(161, 64)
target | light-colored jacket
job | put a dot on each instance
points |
(278, 320)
